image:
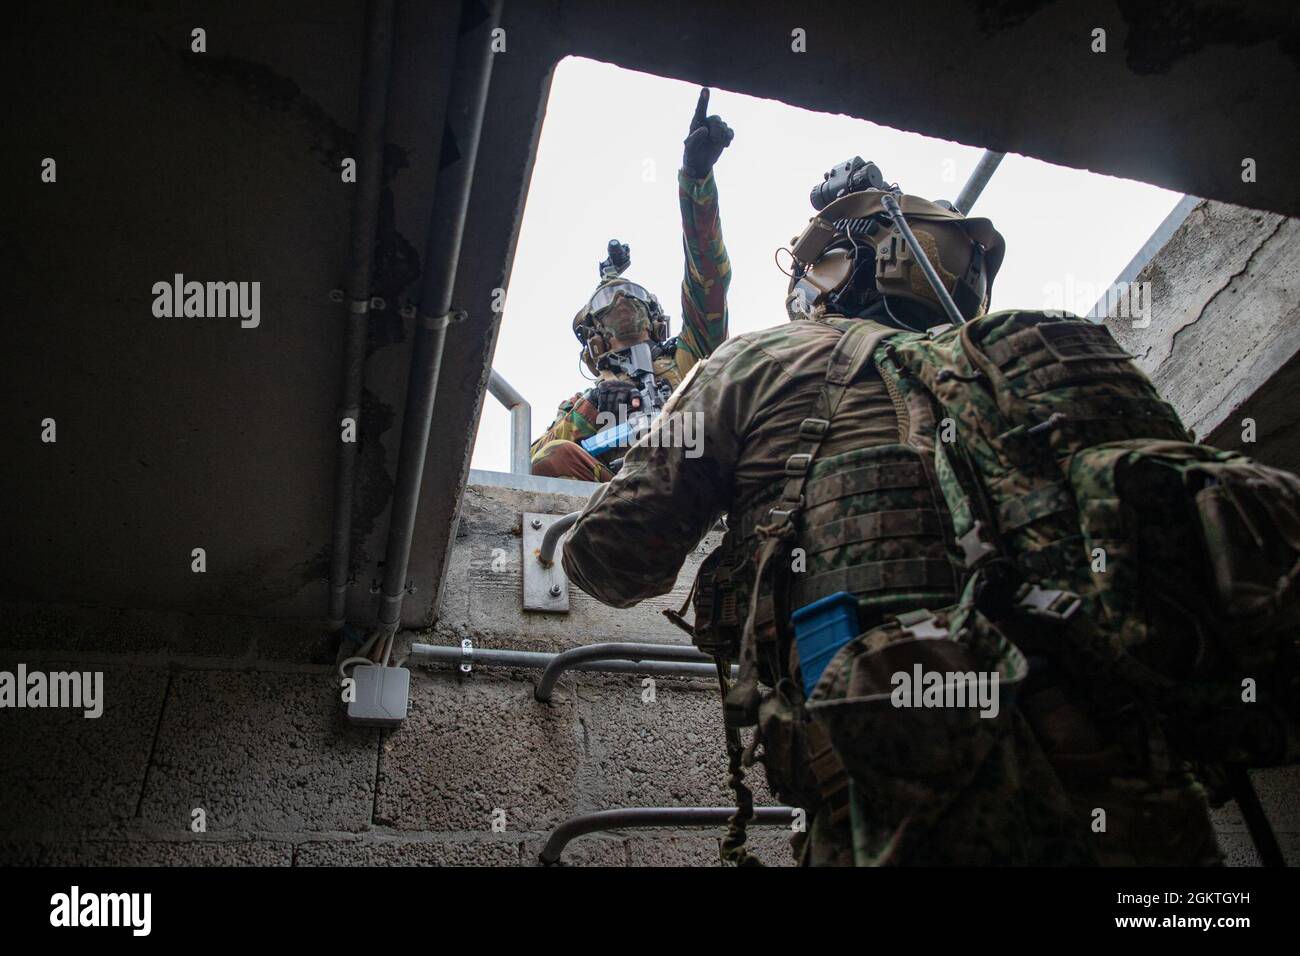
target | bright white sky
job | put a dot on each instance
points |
(607, 166)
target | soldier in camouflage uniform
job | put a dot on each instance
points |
(872, 523)
(622, 314)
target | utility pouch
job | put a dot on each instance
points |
(915, 706)
(1201, 587)
(715, 599)
(786, 754)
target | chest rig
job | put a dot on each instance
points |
(871, 522)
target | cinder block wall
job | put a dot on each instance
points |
(241, 718)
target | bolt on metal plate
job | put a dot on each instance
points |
(545, 589)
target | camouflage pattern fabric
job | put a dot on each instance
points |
(566, 459)
(753, 394)
(1185, 558)
(707, 274)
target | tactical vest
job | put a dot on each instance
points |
(873, 522)
(1041, 489)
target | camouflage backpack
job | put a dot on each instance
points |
(1169, 567)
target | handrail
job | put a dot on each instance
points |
(643, 661)
(521, 422)
(979, 178)
(577, 656)
(551, 539)
(629, 817)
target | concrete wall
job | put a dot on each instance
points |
(242, 718)
(1225, 328)
(182, 433)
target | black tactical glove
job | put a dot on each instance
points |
(708, 137)
(613, 393)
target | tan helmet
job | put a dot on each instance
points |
(618, 314)
(829, 256)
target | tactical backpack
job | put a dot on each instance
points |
(1159, 574)
(1173, 566)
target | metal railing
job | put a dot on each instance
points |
(521, 422)
(634, 817)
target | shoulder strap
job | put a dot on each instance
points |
(851, 354)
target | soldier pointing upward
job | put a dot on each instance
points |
(622, 314)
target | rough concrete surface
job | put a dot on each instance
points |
(409, 853)
(484, 582)
(596, 849)
(665, 752)
(63, 770)
(259, 751)
(1225, 327)
(469, 750)
(169, 853)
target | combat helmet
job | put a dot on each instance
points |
(619, 313)
(853, 255)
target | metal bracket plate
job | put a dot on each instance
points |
(545, 589)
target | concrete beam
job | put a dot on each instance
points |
(1224, 334)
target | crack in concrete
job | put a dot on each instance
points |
(153, 744)
(374, 803)
(586, 736)
(1173, 340)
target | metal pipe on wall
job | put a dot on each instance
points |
(577, 656)
(680, 665)
(372, 117)
(631, 817)
(471, 76)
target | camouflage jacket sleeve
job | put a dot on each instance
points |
(575, 421)
(637, 530)
(707, 272)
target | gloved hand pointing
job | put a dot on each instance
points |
(708, 137)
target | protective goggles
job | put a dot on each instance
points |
(604, 296)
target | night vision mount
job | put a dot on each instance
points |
(616, 263)
(857, 174)
(850, 176)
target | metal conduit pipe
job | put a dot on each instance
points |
(979, 178)
(471, 75)
(652, 817)
(550, 540)
(373, 114)
(700, 666)
(521, 423)
(576, 656)
(537, 660)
